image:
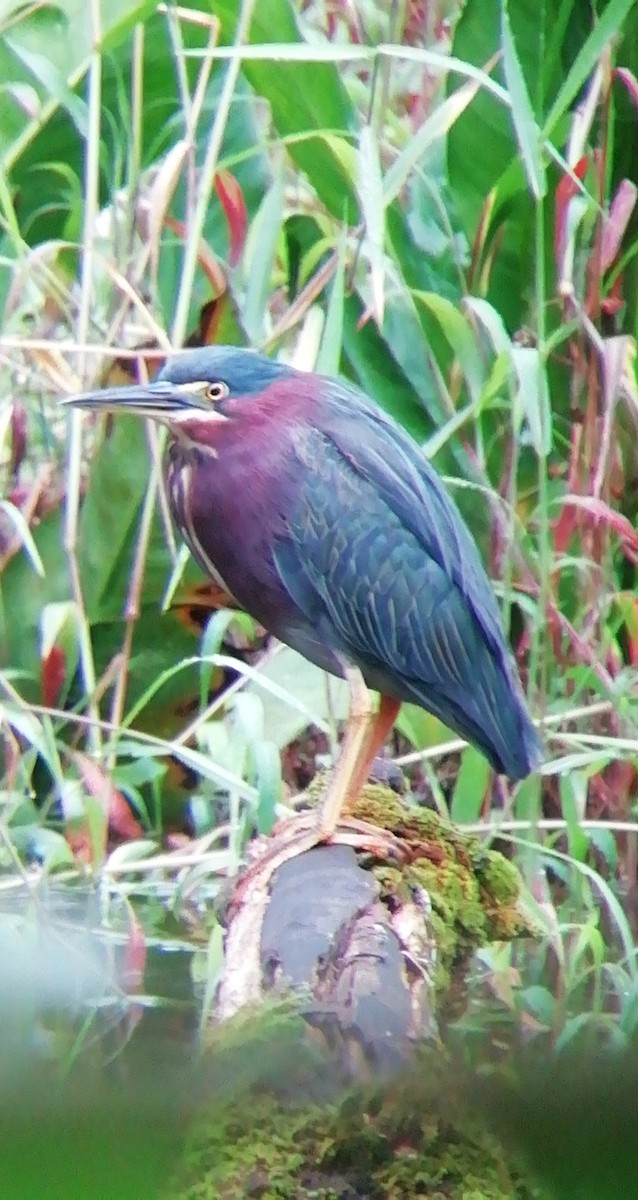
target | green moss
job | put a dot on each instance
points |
(384, 1145)
(499, 876)
(474, 891)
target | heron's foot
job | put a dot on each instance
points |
(303, 831)
(349, 831)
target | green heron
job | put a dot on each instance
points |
(318, 514)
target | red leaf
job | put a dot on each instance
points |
(205, 257)
(122, 823)
(610, 794)
(601, 511)
(614, 300)
(629, 79)
(78, 840)
(563, 530)
(132, 977)
(564, 525)
(616, 221)
(232, 201)
(120, 819)
(565, 191)
(19, 495)
(134, 957)
(628, 605)
(52, 673)
(19, 427)
(210, 316)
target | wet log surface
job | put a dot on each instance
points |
(327, 933)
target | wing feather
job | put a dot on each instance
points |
(377, 555)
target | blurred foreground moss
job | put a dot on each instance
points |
(405, 1138)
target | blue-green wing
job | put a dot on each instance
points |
(378, 556)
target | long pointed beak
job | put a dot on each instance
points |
(160, 400)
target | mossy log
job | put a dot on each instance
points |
(340, 970)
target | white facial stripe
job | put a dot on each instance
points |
(182, 418)
(179, 422)
(193, 389)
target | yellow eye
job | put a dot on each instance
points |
(216, 391)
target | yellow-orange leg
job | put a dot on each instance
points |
(365, 733)
(378, 734)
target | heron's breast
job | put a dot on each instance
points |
(181, 486)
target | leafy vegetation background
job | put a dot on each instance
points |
(437, 200)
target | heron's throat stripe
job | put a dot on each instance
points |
(180, 491)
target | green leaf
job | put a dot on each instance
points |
(370, 189)
(47, 844)
(266, 763)
(486, 175)
(539, 1001)
(309, 104)
(527, 131)
(23, 596)
(435, 127)
(492, 322)
(96, 821)
(53, 82)
(421, 728)
(606, 844)
(37, 129)
(130, 852)
(533, 398)
(379, 373)
(527, 801)
(216, 629)
(59, 623)
(573, 799)
(24, 533)
(247, 711)
(329, 355)
(460, 336)
(304, 695)
(49, 49)
(213, 974)
(470, 787)
(109, 523)
(259, 257)
(606, 28)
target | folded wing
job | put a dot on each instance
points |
(377, 554)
